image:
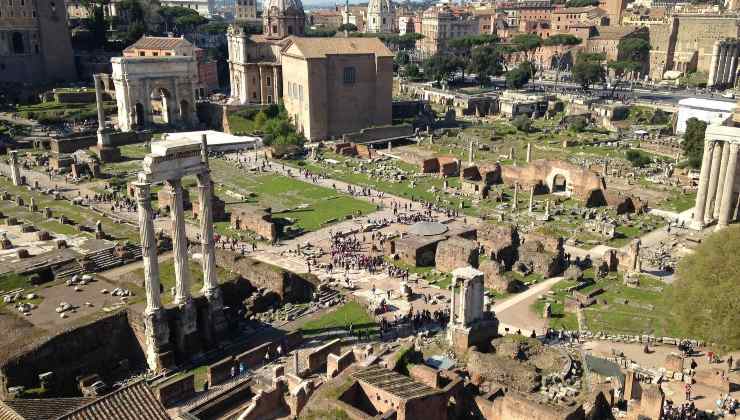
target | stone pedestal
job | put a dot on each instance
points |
(105, 151)
(187, 338)
(157, 332)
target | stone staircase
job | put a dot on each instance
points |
(102, 260)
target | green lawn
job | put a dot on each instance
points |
(12, 281)
(437, 278)
(678, 202)
(167, 277)
(61, 207)
(351, 313)
(619, 318)
(284, 195)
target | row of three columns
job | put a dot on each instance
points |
(714, 200)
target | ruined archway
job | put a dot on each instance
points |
(559, 184)
(160, 100)
(153, 90)
(185, 112)
(139, 115)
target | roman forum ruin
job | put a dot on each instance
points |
(169, 163)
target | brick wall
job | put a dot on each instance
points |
(336, 364)
(316, 359)
(178, 390)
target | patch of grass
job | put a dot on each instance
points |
(61, 207)
(443, 280)
(678, 201)
(12, 281)
(634, 317)
(325, 414)
(284, 195)
(350, 313)
(167, 277)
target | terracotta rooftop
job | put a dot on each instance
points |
(158, 43)
(39, 409)
(132, 402)
(322, 47)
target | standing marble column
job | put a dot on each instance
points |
(721, 180)
(179, 243)
(701, 195)
(452, 303)
(514, 203)
(531, 199)
(713, 180)
(99, 102)
(727, 75)
(15, 170)
(529, 152)
(728, 202)
(156, 328)
(733, 65)
(148, 247)
(711, 81)
(719, 79)
(205, 194)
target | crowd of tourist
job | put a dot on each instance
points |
(416, 320)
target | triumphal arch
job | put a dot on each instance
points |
(152, 90)
(169, 162)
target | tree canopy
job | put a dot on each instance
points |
(693, 141)
(519, 76)
(181, 17)
(486, 61)
(441, 66)
(588, 69)
(561, 39)
(349, 27)
(526, 43)
(704, 296)
(581, 3)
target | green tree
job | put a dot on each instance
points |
(517, 77)
(581, 3)
(523, 123)
(704, 296)
(588, 70)
(693, 141)
(136, 30)
(578, 124)
(637, 158)
(527, 43)
(349, 27)
(181, 18)
(441, 66)
(412, 71)
(486, 61)
(633, 54)
(402, 58)
(561, 39)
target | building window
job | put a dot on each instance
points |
(17, 42)
(290, 30)
(349, 75)
(141, 53)
(155, 54)
(274, 29)
(269, 81)
(269, 99)
(254, 95)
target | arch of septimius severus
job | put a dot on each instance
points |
(169, 162)
(719, 182)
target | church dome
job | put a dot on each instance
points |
(283, 7)
(379, 6)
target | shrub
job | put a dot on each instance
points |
(523, 123)
(638, 159)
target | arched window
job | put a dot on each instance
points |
(17, 42)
